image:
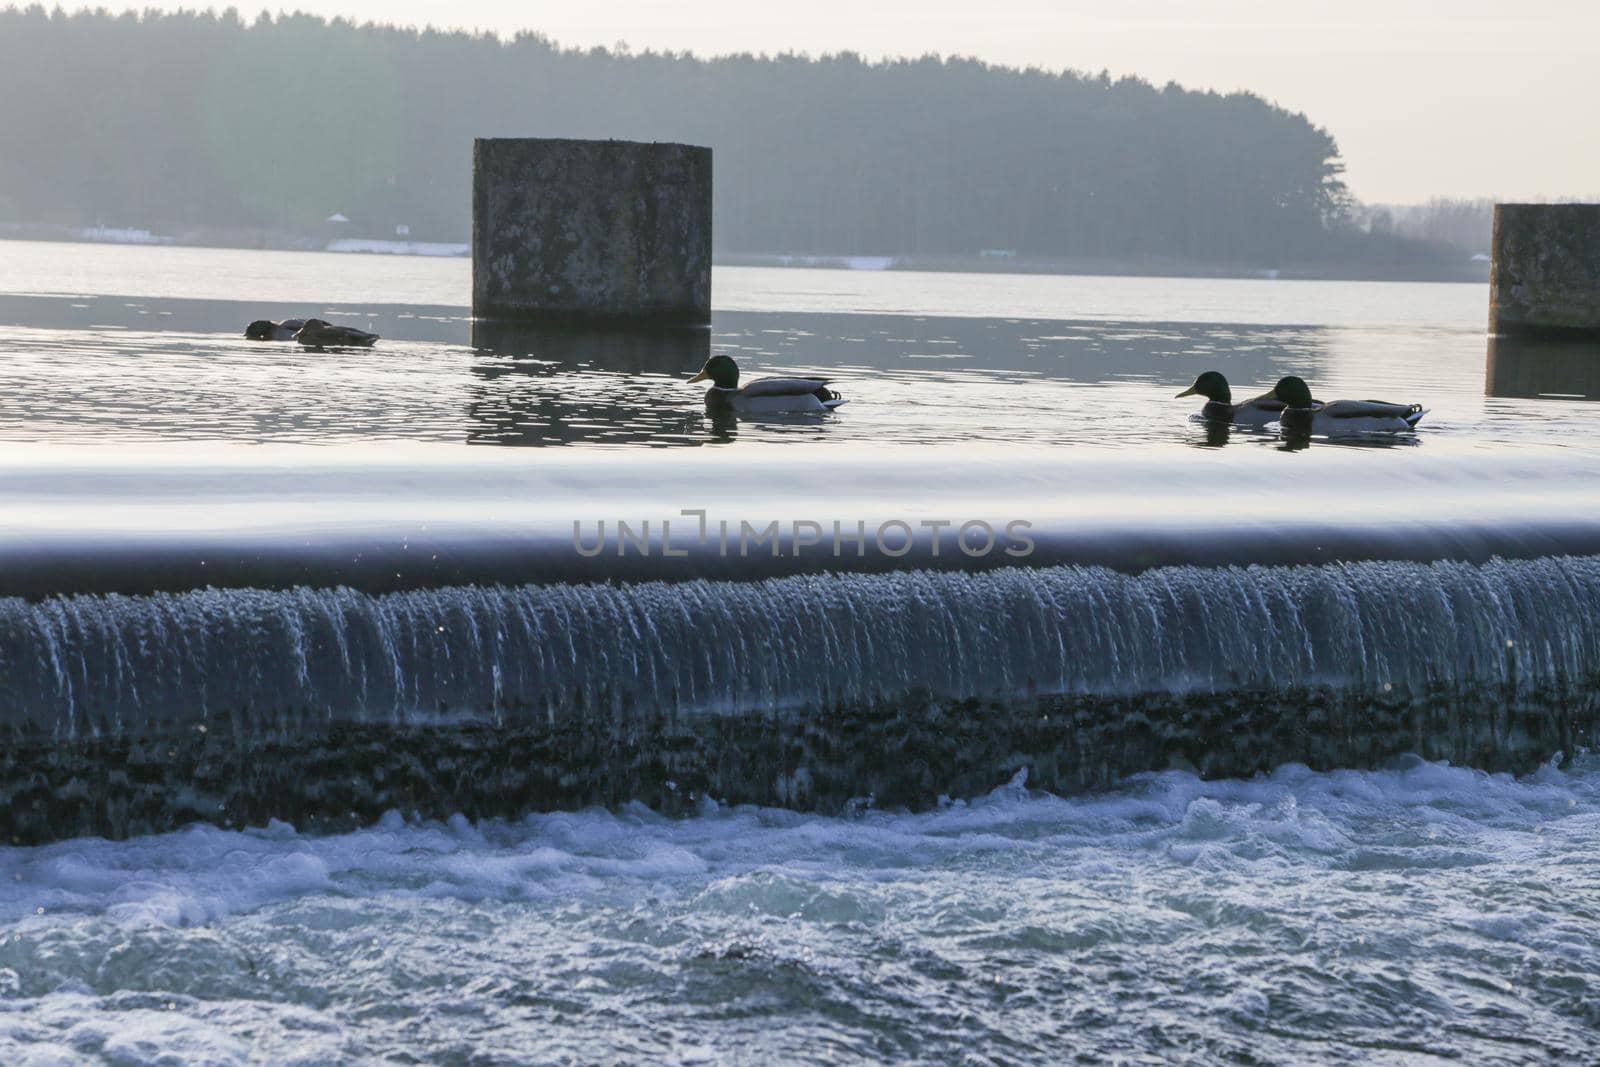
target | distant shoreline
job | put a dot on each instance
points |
(1151, 267)
(978, 263)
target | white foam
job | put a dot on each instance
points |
(1223, 905)
(203, 873)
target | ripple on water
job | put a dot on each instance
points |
(1096, 363)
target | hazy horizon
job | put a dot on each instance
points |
(1473, 104)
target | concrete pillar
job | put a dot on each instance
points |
(1545, 278)
(612, 232)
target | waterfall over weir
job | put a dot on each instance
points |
(126, 714)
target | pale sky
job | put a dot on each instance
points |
(1426, 97)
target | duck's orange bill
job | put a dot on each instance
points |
(702, 376)
(1187, 392)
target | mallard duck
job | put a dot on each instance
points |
(1260, 411)
(316, 333)
(764, 395)
(263, 330)
(1334, 418)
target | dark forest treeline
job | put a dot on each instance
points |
(202, 119)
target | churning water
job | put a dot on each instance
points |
(1411, 915)
(269, 589)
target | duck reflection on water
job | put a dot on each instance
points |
(1215, 434)
(1299, 442)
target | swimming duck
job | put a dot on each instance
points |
(316, 333)
(764, 395)
(263, 330)
(1335, 418)
(1260, 411)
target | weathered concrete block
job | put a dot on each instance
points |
(1546, 271)
(591, 231)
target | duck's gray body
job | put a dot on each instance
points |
(775, 396)
(1342, 418)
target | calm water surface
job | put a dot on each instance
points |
(107, 342)
(1415, 914)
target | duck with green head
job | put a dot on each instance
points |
(1339, 418)
(1260, 411)
(764, 396)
